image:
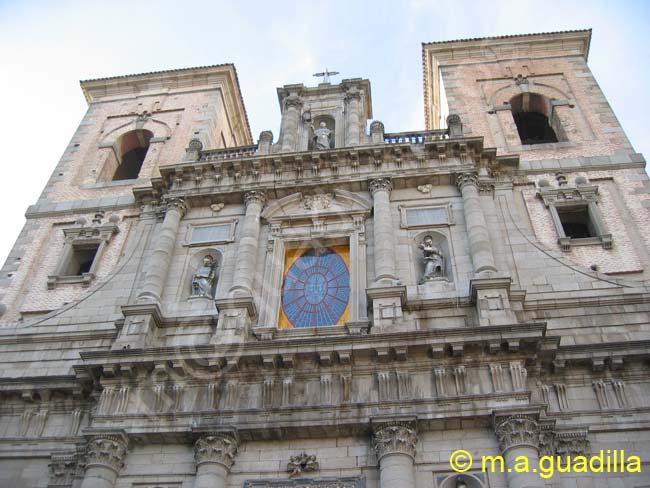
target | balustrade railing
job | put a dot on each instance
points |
(419, 137)
(228, 153)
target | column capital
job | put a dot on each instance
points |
(380, 184)
(394, 438)
(107, 450)
(351, 96)
(464, 179)
(517, 430)
(293, 101)
(254, 196)
(175, 203)
(216, 447)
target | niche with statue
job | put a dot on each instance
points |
(432, 258)
(204, 274)
(321, 133)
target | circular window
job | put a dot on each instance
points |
(316, 289)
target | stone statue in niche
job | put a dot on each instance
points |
(321, 136)
(204, 278)
(434, 261)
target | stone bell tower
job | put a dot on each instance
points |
(342, 109)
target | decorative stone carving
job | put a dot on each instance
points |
(301, 463)
(394, 438)
(122, 399)
(24, 422)
(601, 393)
(383, 381)
(254, 197)
(517, 430)
(64, 467)
(212, 398)
(544, 391)
(326, 389)
(287, 384)
(404, 385)
(216, 448)
(466, 179)
(620, 393)
(572, 444)
(107, 451)
(346, 381)
(425, 188)
(321, 136)
(459, 379)
(175, 203)
(496, 372)
(232, 391)
(546, 440)
(434, 261)
(177, 397)
(75, 421)
(440, 376)
(380, 184)
(267, 392)
(158, 391)
(204, 278)
(563, 400)
(454, 126)
(318, 202)
(518, 374)
(106, 401)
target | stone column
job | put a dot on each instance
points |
(290, 121)
(158, 265)
(248, 244)
(477, 232)
(104, 459)
(214, 455)
(383, 230)
(352, 106)
(518, 435)
(394, 445)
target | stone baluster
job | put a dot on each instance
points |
(352, 108)
(518, 435)
(383, 230)
(290, 121)
(214, 455)
(477, 232)
(394, 445)
(158, 265)
(248, 244)
(105, 457)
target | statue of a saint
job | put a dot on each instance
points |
(321, 136)
(203, 279)
(434, 264)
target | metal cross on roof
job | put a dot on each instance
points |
(326, 75)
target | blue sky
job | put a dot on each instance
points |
(47, 47)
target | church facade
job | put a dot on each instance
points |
(343, 306)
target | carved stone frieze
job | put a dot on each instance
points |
(301, 463)
(216, 448)
(108, 450)
(394, 438)
(517, 430)
(317, 202)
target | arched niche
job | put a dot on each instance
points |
(464, 480)
(442, 243)
(315, 124)
(194, 263)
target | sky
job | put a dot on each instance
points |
(47, 47)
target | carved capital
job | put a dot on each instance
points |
(572, 444)
(352, 96)
(175, 203)
(517, 430)
(108, 450)
(254, 197)
(394, 438)
(64, 467)
(464, 179)
(216, 448)
(380, 184)
(293, 101)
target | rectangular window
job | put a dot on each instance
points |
(576, 222)
(81, 260)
